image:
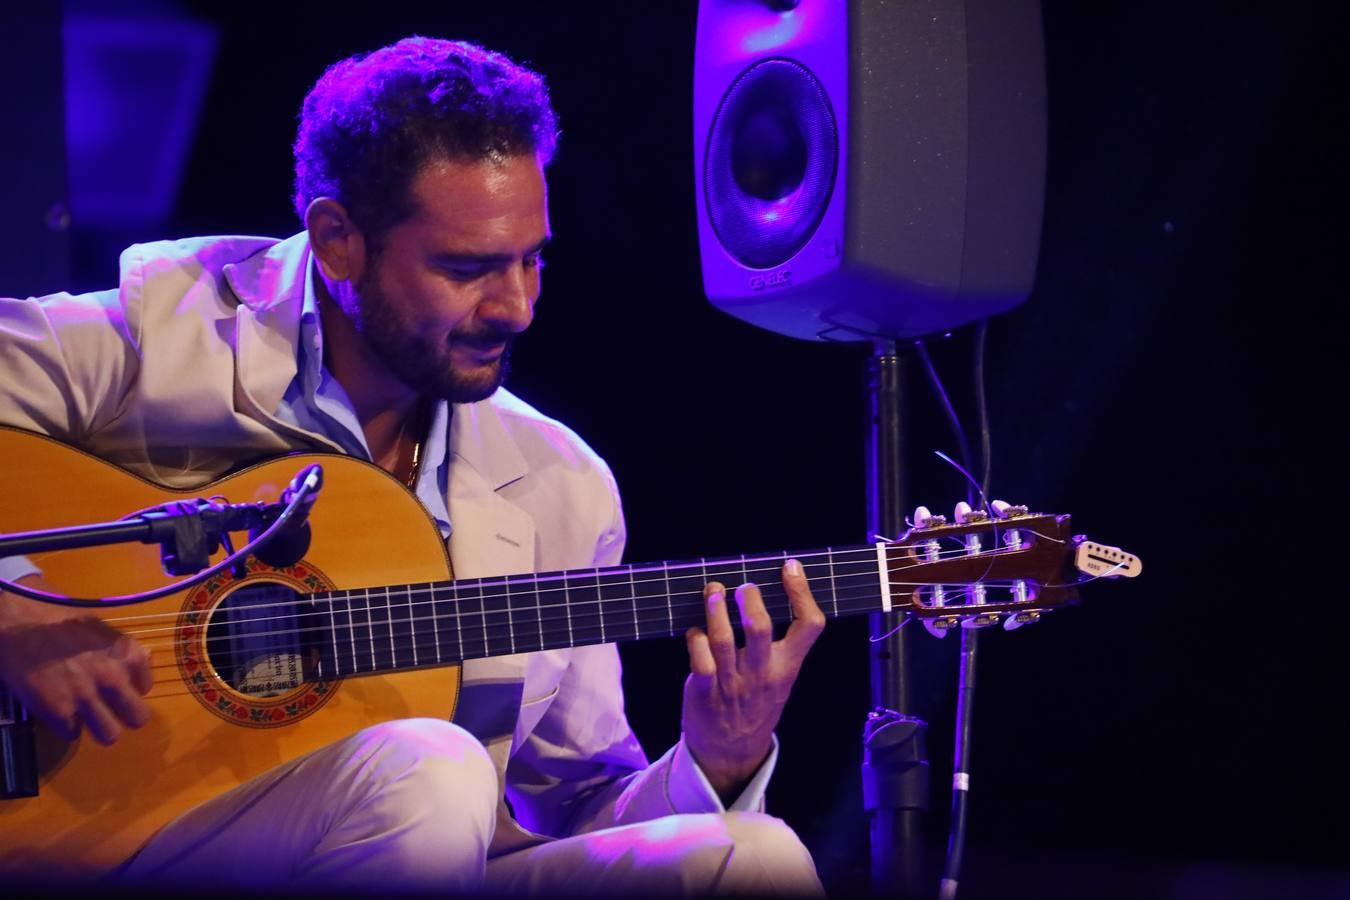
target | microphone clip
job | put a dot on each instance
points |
(189, 531)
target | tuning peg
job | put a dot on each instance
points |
(967, 515)
(924, 518)
(1017, 620)
(941, 626)
(983, 620)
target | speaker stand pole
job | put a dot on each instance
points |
(895, 754)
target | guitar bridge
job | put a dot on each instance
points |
(18, 750)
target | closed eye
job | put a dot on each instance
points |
(470, 267)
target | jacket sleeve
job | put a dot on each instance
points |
(66, 363)
(581, 768)
(65, 366)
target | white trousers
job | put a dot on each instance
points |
(412, 804)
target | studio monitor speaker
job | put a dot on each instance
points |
(868, 168)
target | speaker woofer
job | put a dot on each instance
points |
(773, 150)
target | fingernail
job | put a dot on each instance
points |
(716, 597)
(794, 567)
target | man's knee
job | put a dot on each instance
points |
(428, 758)
(767, 857)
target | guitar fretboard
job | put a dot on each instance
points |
(407, 626)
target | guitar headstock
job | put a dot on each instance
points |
(983, 571)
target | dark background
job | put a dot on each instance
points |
(1172, 381)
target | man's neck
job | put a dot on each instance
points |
(384, 405)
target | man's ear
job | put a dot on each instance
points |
(338, 244)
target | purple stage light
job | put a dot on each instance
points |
(775, 36)
(134, 88)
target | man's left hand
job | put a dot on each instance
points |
(734, 696)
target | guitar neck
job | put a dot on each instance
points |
(384, 629)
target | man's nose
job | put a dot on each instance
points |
(511, 305)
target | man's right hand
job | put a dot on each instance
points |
(70, 669)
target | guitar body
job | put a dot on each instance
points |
(96, 805)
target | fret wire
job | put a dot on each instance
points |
(389, 614)
(412, 629)
(510, 624)
(351, 634)
(538, 616)
(435, 623)
(459, 632)
(632, 591)
(600, 605)
(332, 627)
(370, 631)
(567, 606)
(670, 613)
(834, 584)
(482, 608)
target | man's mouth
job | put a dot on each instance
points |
(486, 349)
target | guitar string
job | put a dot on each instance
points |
(374, 616)
(569, 623)
(362, 630)
(404, 598)
(554, 628)
(398, 597)
(683, 570)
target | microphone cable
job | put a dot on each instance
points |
(970, 637)
(309, 482)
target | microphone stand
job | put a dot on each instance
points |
(188, 532)
(895, 769)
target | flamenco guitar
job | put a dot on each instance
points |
(256, 667)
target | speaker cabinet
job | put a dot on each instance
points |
(867, 168)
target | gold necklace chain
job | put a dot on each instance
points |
(422, 420)
(411, 483)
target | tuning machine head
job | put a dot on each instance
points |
(1018, 619)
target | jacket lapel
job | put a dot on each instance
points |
(490, 535)
(271, 289)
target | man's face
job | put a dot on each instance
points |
(456, 281)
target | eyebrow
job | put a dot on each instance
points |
(451, 256)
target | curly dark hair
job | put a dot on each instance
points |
(372, 121)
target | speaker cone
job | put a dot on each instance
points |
(773, 151)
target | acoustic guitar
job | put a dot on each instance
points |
(255, 667)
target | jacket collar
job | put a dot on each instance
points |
(271, 289)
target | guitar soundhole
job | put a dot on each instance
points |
(257, 643)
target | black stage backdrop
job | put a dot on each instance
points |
(1170, 382)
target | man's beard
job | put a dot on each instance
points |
(422, 362)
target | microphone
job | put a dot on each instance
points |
(289, 545)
